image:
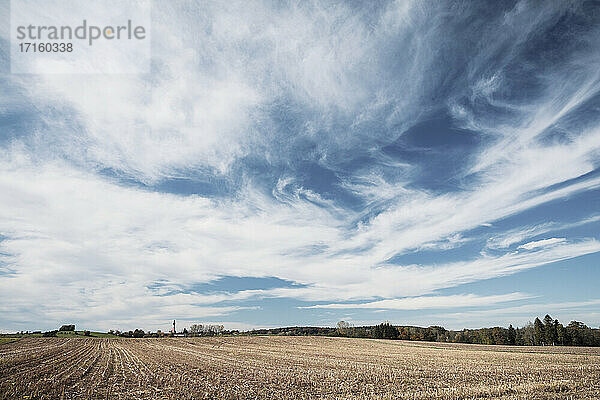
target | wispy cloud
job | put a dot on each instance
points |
(565, 311)
(510, 237)
(425, 302)
(542, 243)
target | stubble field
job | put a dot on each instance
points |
(291, 368)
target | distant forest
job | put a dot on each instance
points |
(546, 332)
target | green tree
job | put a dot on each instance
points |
(511, 335)
(562, 337)
(576, 331)
(67, 328)
(538, 332)
(138, 333)
(550, 334)
(385, 331)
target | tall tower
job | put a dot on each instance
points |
(174, 331)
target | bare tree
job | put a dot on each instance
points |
(196, 329)
(343, 327)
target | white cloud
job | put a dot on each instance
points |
(521, 314)
(542, 243)
(213, 76)
(81, 245)
(510, 237)
(425, 302)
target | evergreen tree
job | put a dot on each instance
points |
(561, 334)
(520, 336)
(549, 331)
(576, 331)
(538, 332)
(385, 331)
(512, 335)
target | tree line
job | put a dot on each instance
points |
(546, 332)
(193, 331)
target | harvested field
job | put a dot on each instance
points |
(291, 368)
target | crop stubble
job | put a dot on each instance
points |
(291, 368)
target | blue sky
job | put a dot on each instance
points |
(303, 163)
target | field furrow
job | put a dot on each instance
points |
(291, 368)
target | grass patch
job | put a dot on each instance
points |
(62, 334)
(4, 340)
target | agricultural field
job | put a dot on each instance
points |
(277, 367)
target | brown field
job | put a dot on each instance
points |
(291, 368)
